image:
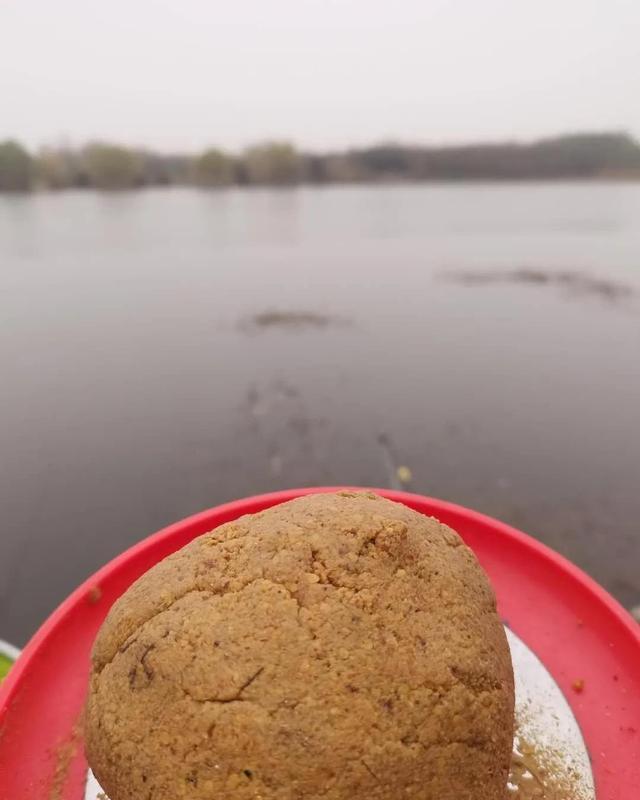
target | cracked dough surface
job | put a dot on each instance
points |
(337, 646)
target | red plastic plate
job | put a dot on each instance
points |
(576, 629)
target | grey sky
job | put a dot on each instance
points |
(188, 73)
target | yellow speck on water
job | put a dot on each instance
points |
(404, 474)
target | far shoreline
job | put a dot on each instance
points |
(592, 157)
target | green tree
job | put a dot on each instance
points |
(158, 169)
(59, 168)
(343, 168)
(273, 163)
(109, 166)
(214, 168)
(16, 167)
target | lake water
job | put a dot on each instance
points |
(163, 351)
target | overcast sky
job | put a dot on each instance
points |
(183, 74)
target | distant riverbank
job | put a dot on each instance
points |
(101, 165)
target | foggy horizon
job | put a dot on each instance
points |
(321, 75)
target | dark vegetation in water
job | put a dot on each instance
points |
(105, 165)
(290, 320)
(573, 282)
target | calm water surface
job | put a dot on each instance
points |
(163, 351)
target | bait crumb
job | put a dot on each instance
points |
(94, 595)
(339, 645)
(64, 754)
(541, 772)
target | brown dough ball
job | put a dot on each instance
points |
(338, 646)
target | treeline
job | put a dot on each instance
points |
(103, 165)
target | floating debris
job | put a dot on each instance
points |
(398, 475)
(290, 320)
(573, 282)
